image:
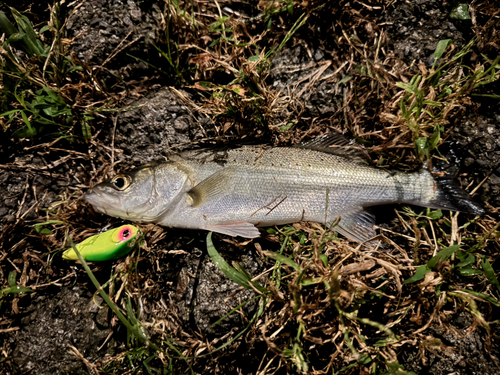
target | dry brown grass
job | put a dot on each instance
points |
(345, 305)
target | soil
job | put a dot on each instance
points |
(55, 323)
(416, 27)
(478, 136)
(103, 29)
(159, 119)
(458, 351)
(161, 123)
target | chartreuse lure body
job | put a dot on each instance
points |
(113, 244)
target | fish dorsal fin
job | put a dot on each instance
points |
(214, 186)
(357, 226)
(241, 228)
(337, 144)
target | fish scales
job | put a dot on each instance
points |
(232, 192)
(275, 186)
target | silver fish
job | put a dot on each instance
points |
(236, 191)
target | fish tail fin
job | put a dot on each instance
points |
(450, 196)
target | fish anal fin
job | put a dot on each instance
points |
(337, 144)
(241, 228)
(357, 226)
(211, 187)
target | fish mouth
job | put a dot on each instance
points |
(112, 205)
(92, 197)
(109, 204)
(101, 202)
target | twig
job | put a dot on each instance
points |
(115, 120)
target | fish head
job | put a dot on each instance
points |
(141, 195)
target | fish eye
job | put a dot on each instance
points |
(126, 233)
(121, 182)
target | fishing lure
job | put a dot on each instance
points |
(110, 245)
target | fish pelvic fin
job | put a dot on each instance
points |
(242, 228)
(450, 196)
(212, 187)
(357, 226)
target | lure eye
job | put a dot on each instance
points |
(124, 233)
(121, 182)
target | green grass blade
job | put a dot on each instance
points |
(419, 274)
(240, 278)
(32, 43)
(6, 26)
(440, 49)
(442, 256)
(483, 296)
(282, 259)
(489, 272)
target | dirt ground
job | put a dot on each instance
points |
(142, 112)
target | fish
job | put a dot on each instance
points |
(109, 245)
(234, 192)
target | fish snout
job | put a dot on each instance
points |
(97, 200)
(91, 196)
(104, 202)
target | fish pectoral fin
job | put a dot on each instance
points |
(241, 228)
(337, 144)
(357, 226)
(214, 186)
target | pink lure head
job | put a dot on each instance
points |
(124, 233)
